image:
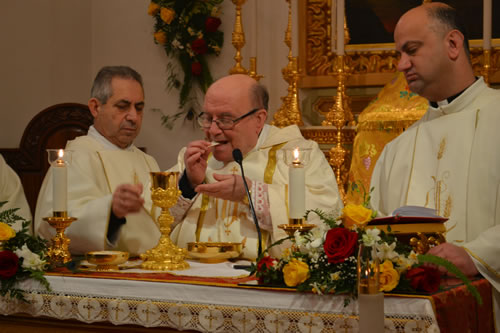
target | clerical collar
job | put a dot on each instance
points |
(93, 133)
(449, 99)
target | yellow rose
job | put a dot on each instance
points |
(356, 215)
(295, 272)
(167, 15)
(389, 277)
(153, 8)
(6, 232)
(160, 37)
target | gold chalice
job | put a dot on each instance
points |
(166, 255)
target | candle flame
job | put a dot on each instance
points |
(296, 154)
(60, 153)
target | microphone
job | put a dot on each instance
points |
(238, 158)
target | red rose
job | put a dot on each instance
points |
(199, 46)
(8, 264)
(266, 261)
(340, 243)
(196, 68)
(212, 24)
(424, 278)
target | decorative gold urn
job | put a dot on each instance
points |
(166, 255)
(58, 251)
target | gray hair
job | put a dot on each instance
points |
(259, 96)
(448, 17)
(101, 88)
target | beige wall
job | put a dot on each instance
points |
(52, 49)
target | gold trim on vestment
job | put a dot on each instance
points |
(488, 267)
(111, 206)
(271, 163)
(203, 211)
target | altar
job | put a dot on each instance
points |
(224, 299)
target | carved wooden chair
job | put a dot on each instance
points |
(51, 128)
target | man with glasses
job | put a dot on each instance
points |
(214, 205)
(106, 173)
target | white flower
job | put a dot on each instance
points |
(386, 251)
(31, 260)
(371, 236)
(176, 44)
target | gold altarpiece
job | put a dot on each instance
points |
(370, 66)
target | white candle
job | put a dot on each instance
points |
(295, 28)
(371, 312)
(297, 187)
(59, 182)
(340, 27)
(486, 24)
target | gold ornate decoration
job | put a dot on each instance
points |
(252, 72)
(486, 69)
(166, 255)
(296, 225)
(421, 243)
(289, 111)
(238, 39)
(58, 251)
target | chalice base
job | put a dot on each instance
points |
(58, 252)
(166, 256)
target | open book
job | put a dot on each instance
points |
(410, 214)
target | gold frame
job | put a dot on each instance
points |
(372, 64)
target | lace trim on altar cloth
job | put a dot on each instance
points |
(200, 317)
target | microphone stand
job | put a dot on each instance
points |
(238, 158)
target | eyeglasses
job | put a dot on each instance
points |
(206, 120)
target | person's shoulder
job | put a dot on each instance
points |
(83, 143)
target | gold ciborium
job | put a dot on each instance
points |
(166, 255)
(58, 251)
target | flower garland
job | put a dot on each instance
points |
(188, 31)
(324, 260)
(22, 256)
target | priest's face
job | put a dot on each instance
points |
(235, 122)
(119, 119)
(422, 46)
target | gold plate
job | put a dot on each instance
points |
(213, 252)
(106, 260)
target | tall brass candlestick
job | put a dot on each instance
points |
(238, 39)
(166, 255)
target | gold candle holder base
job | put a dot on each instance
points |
(296, 225)
(58, 251)
(166, 255)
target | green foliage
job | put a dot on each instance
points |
(189, 22)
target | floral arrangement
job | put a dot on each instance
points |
(22, 256)
(188, 31)
(324, 260)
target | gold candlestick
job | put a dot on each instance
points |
(238, 39)
(253, 69)
(289, 111)
(486, 69)
(58, 251)
(166, 255)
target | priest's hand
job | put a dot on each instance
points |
(228, 187)
(457, 256)
(195, 160)
(127, 199)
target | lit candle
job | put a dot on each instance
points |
(340, 27)
(486, 24)
(295, 28)
(59, 182)
(297, 187)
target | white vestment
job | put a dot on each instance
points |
(11, 190)
(94, 173)
(217, 220)
(450, 161)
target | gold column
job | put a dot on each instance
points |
(486, 68)
(238, 39)
(289, 111)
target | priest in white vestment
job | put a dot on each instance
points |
(107, 173)
(11, 190)
(214, 206)
(450, 159)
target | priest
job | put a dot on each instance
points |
(107, 172)
(214, 206)
(449, 160)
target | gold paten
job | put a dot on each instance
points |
(213, 252)
(106, 260)
(166, 255)
(296, 225)
(58, 252)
